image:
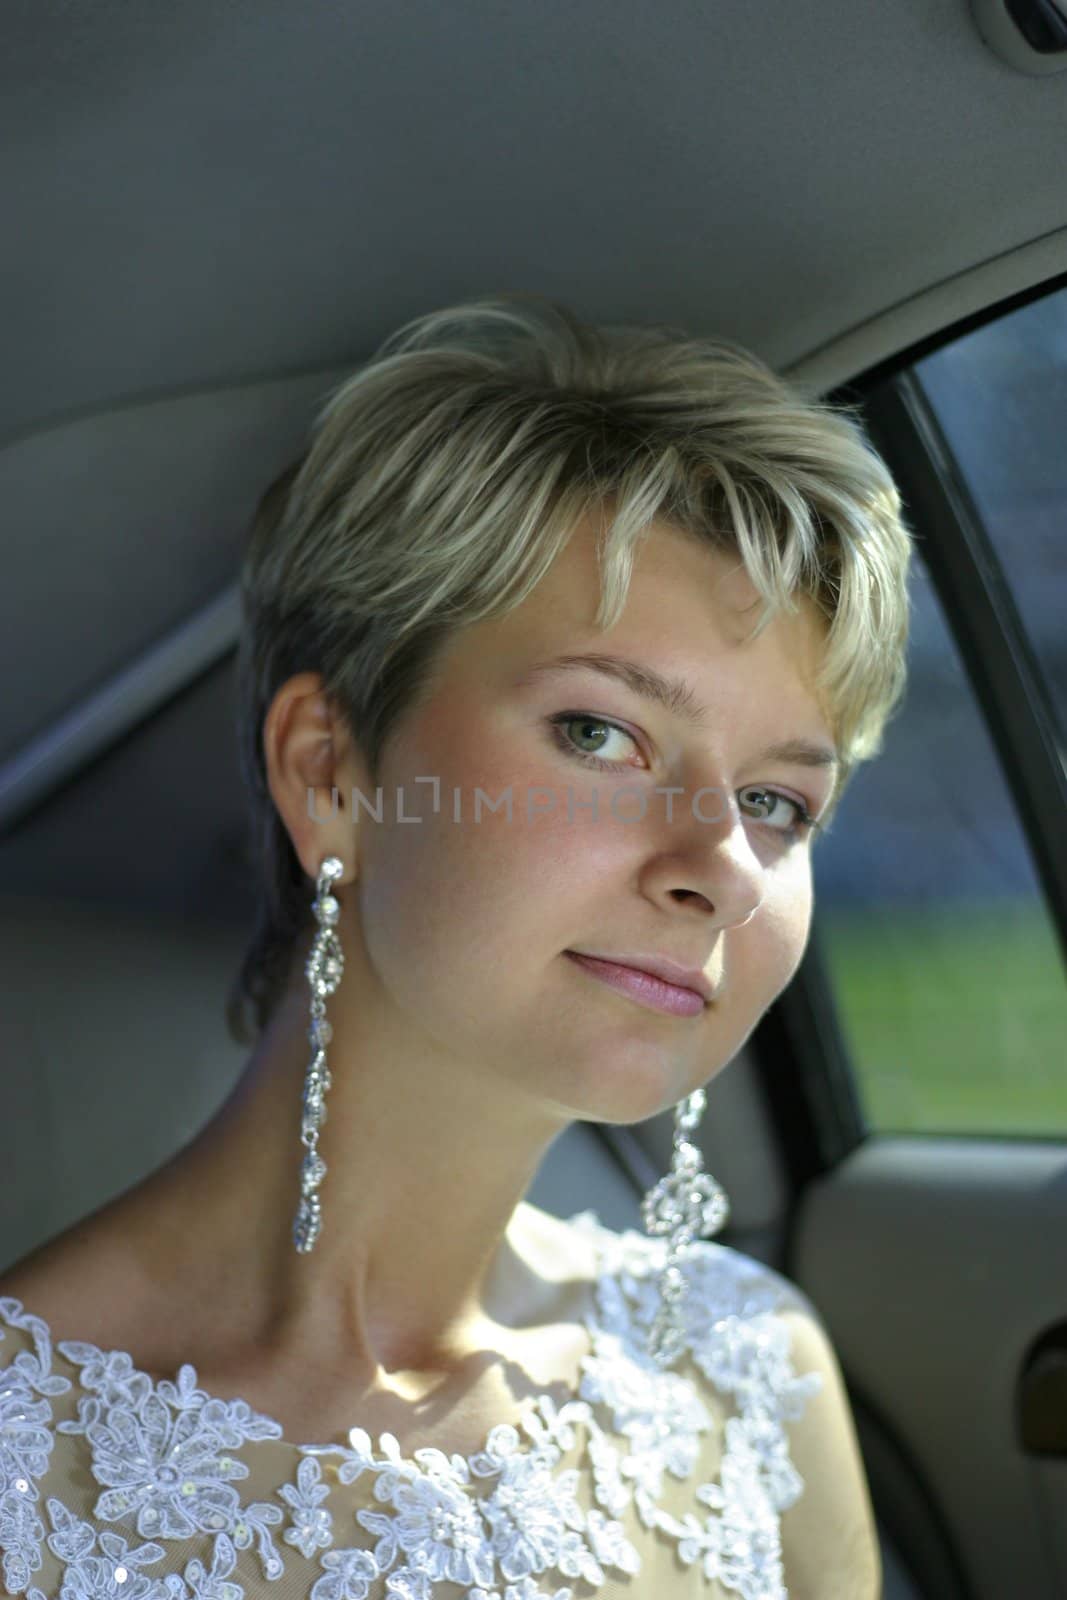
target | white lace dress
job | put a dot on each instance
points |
(643, 1483)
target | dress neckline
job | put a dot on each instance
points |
(167, 1457)
(113, 1376)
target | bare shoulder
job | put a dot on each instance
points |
(829, 1536)
(77, 1283)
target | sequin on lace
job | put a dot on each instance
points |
(502, 1524)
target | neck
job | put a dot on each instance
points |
(425, 1246)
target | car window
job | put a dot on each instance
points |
(940, 947)
(1000, 396)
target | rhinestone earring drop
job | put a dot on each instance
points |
(324, 969)
(686, 1204)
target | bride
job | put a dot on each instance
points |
(560, 646)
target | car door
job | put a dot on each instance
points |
(917, 1068)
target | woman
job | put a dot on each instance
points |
(560, 645)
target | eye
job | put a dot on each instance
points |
(586, 720)
(803, 821)
(593, 726)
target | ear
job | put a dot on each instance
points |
(312, 764)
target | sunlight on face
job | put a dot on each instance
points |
(465, 922)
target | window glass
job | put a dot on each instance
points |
(941, 954)
(1000, 396)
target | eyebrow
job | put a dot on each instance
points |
(677, 696)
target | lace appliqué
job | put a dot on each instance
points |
(530, 1524)
(26, 1444)
(736, 1338)
(111, 1571)
(163, 1453)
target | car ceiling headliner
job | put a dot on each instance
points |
(203, 193)
(212, 210)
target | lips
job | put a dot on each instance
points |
(647, 988)
(662, 967)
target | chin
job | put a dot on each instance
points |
(627, 1080)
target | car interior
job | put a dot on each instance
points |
(212, 214)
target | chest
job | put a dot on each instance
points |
(314, 1402)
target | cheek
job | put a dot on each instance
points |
(766, 952)
(451, 906)
(509, 866)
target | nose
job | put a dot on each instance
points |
(710, 864)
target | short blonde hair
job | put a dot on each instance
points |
(444, 477)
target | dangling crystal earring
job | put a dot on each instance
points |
(324, 968)
(687, 1203)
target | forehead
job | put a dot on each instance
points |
(689, 611)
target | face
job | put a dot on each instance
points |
(462, 925)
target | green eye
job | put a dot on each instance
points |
(803, 821)
(565, 719)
